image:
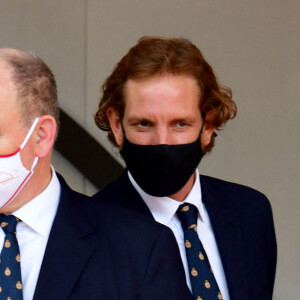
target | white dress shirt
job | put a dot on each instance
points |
(33, 232)
(164, 211)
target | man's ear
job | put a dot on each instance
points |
(208, 129)
(115, 125)
(45, 133)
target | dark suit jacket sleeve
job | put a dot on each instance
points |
(165, 264)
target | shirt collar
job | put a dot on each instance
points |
(163, 209)
(39, 212)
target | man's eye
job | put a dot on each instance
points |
(180, 124)
(144, 124)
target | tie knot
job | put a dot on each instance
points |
(8, 223)
(187, 214)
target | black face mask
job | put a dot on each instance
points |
(162, 170)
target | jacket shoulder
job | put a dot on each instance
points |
(237, 194)
(66, 189)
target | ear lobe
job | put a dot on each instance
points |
(45, 135)
(115, 125)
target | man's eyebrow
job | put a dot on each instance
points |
(175, 119)
(137, 118)
(184, 119)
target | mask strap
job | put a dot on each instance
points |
(201, 130)
(202, 126)
(34, 163)
(123, 130)
(29, 132)
(122, 127)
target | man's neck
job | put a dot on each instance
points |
(183, 192)
(36, 184)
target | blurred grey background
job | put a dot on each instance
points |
(254, 48)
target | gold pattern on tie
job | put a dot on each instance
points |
(207, 284)
(185, 208)
(201, 256)
(7, 272)
(19, 285)
(193, 226)
(194, 272)
(188, 244)
(4, 224)
(7, 244)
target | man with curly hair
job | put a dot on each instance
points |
(161, 107)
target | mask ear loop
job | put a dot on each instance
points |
(29, 132)
(123, 128)
(27, 138)
(34, 163)
(124, 134)
(202, 126)
(201, 130)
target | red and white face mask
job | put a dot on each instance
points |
(13, 174)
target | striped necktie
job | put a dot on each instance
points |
(10, 270)
(203, 282)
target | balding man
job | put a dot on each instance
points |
(55, 243)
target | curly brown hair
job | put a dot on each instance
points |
(157, 55)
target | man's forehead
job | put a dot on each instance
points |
(151, 83)
(175, 96)
(156, 82)
(160, 75)
(8, 91)
(6, 74)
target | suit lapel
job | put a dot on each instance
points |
(227, 231)
(67, 252)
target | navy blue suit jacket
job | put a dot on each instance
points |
(243, 226)
(98, 251)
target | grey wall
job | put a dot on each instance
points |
(253, 46)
